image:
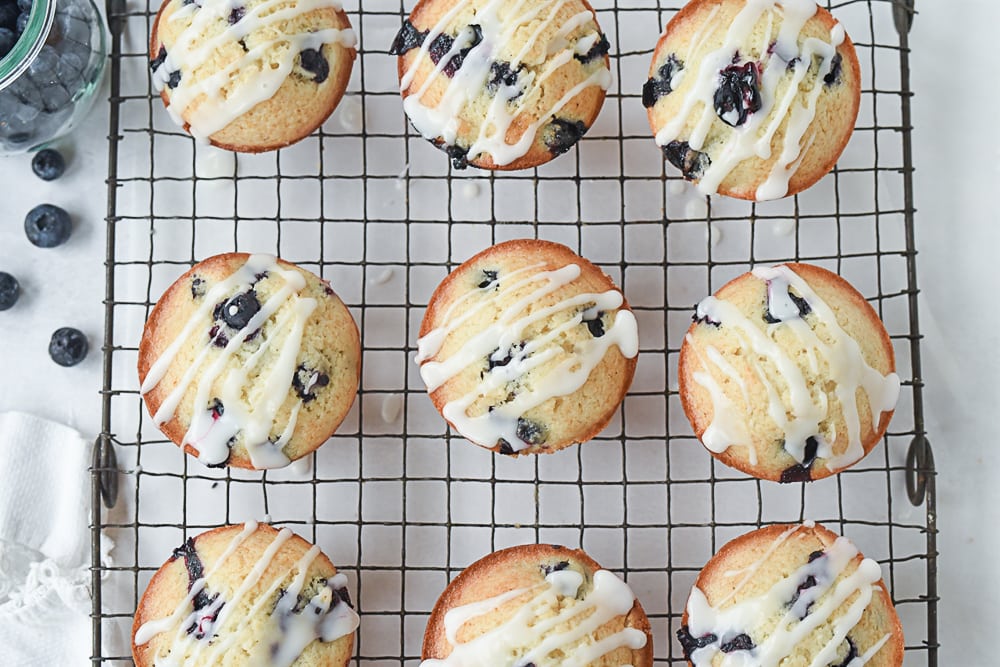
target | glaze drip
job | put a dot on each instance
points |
(478, 52)
(208, 104)
(748, 99)
(805, 418)
(555, 624)
(511, 355)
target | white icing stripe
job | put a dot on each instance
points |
(802, 416)
(220, 101)
(754, 137)
(800, 610)
(292, 625)
(504, 337)
(531, 635)
(443, 119)
(248, 408)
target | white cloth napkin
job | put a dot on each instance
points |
(44, 543)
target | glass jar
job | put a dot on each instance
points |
(48, 78)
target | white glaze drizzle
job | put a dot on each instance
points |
(831, 590)
(220, 101)
(804, 414)
(248, 409)
(503, 337)
(281, 640)
(442, 120)
(754, 137)
(528, 636)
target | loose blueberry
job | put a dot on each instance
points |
(738, 94)
(802, 472)
(660, 85)
(48, 164)
(852, 653)
(238, 311)
(561, 135)
(197, 287)
(306, 381)
(555, 567)
(738, 643)
(236, 15)
(47, 226)
(692, 163)
(7, 39)
(68, 346)
(174, 80)
(489, 277)
(690, 644)
(22, 22)
(598, 50)
(596, 325)
(459, 156)
(313, 62)
(8, 16)
(156, 62)
(531, 432)
(10, 291)
(836, 68)
(407, 38)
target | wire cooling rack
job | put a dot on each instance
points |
(399, 503)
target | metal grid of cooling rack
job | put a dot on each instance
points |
(399, 503)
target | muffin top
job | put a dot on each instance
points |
(499, 84)
(787, 373)
(753, 99)
(245, 595)
(537, 604)
(527, 347)
(794, 595)
(250, 361)
(251, 75)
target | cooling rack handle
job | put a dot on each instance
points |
(902, 15)
(105, 466)
(919, 468)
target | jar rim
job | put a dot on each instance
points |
(20, 57)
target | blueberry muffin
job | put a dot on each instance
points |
(245, 595)
(527, 348)
(538, 605)
(753, 99)
(249, 361)
(791, 595)
(251, 75)
(500, 84)
(787, 374)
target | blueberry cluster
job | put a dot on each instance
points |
(47, 226)
(39, 103)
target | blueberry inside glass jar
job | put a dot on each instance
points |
(52, 55)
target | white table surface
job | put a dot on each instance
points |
(958, 173)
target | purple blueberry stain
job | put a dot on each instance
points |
(307, 381)
(505, 448)
(217, 409)
(833, 77)
(741, 642)
(662, 84)
(691, 162)
(598, 50)
(549, 568)
(197, 287)
(196, 571)
(503, 76)
(852, 653)
(531, 432)
(595, 325)
(489, 278)
(174, 79)
(561, 134)
(158, 61)
(816, 555)
(738, 93)
(237, 14)
(802, 472)
(690, 643)
(407, 39)
(459, 156)
(313, 61)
